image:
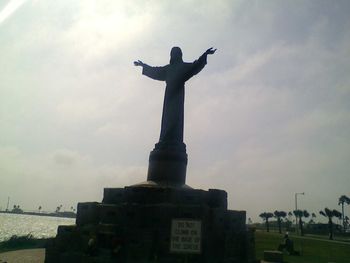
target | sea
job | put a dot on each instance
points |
(38, 226)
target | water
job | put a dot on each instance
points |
(38, 226)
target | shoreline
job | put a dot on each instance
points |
(60, 214)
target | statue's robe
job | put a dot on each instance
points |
(175, 75)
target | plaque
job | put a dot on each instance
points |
(186, 236)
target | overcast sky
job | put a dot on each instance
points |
(268, 116)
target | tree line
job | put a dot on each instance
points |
(330, 214)
(17, 209)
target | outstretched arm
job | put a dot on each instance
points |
(157, 73)
(139, 63)
(209, 51)
(200, 63)
(203, 58)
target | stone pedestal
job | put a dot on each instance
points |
(167, 164)
(155, 224)
(160, 220)
(273, 256)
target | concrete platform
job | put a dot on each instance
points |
(23, 256)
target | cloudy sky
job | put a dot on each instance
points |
(269, 116)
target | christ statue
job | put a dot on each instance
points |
(175, 74)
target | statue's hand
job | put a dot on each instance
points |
(138, 63)
(210, 51)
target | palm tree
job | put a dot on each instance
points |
(300, 214)
(289, 220)
(266, 216)
(58, 209)
(279, 215)
(313, 216)
(341, 201)
(330, 214)
(17, 209)
(346, 221)
(39, 208)
(290, 216)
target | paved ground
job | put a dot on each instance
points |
(23, 256)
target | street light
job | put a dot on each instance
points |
(296, 208)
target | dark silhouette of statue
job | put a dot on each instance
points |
(175, 74)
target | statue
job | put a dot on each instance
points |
(175, 74)
(161, 219)
(168, 160)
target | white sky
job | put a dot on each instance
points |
(269, 116)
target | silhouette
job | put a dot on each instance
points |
(17, 210)
(266, 216)
(175, 74)
(168, 160)
(330, 214)
(342, 201)
(288, 245)
(279, 215)
(289, 220)
(300, 214)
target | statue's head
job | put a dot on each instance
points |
(175, 55)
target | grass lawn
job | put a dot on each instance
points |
(312, 251)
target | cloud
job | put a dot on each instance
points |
(10, 8)
(270, 110)
(65, 158)
(59, 177)
(104, 31)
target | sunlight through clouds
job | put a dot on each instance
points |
(10, 8)
(98, 31)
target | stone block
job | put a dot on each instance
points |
(107, 228)
(137, 222)
(250, 244)
(273, 256)
(65, 230)
(187, 196)
(113, 195)
(144, 195)
(111, 214)
(87, 213)
(52, 252)
(72, 257)
(236, 220)
(217, 198)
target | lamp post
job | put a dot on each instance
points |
(296, 208)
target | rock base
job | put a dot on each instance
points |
(148, 223)
(273, 256)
